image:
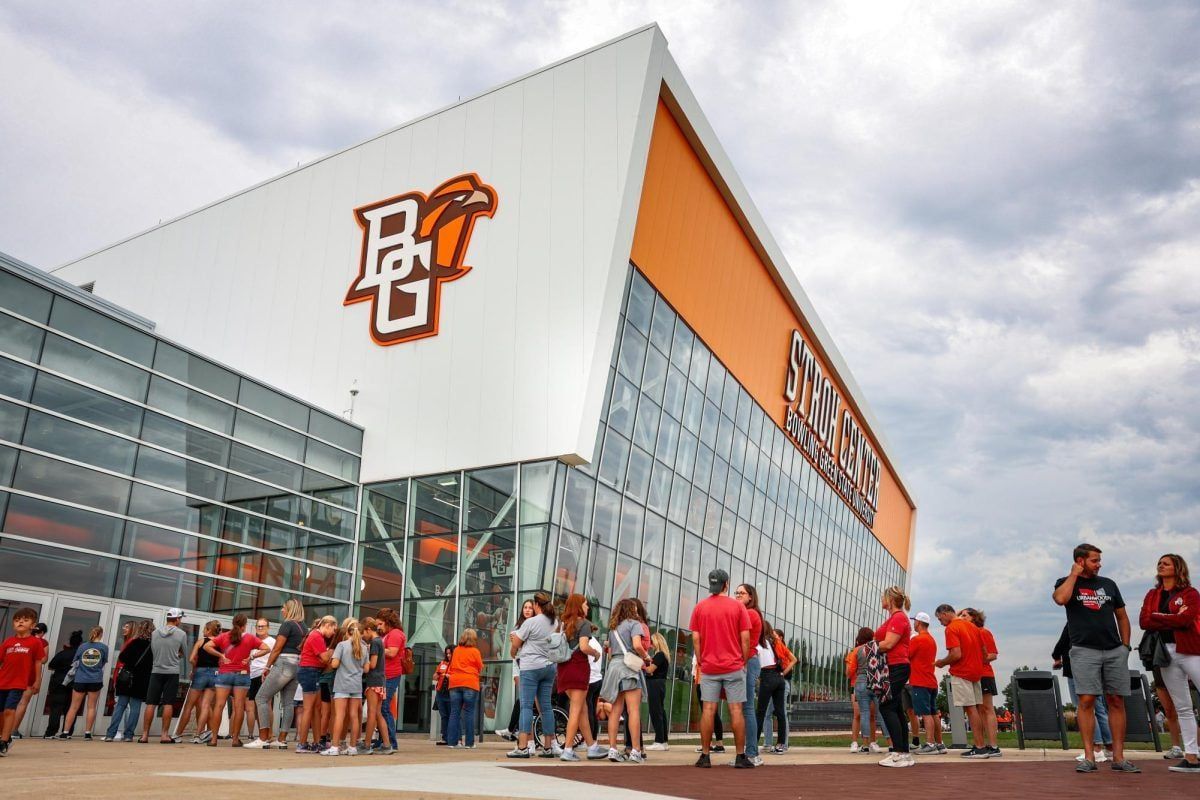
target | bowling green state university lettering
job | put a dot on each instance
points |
(839, 449)
(411, 245)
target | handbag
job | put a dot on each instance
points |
(124, 682)
(1152, 652)
(631, 660)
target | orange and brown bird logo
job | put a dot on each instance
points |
(411, 245)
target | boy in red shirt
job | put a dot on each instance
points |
(922, 650)
(964, 656)
(20, 655)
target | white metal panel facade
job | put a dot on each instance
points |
(257, 280)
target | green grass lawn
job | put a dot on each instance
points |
(1004, 740)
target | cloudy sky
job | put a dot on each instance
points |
(995, 208)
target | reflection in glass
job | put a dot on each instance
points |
(95, 368)
(435, 504)
(59, 524)
(101, 330)
(491, 617)
(489, 561)
(20, 339)
(51, 478)
(21, 296)
(492, 498)
(76, 401)
(189, 404)
(537, 492)
(63, 570)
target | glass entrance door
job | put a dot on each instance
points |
(10, 603)
(75, 619)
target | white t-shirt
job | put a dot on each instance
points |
(594, 662)
(259, 664)
(766, 656)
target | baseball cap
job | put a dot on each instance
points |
(174, 613)
(717, 580)
(922, 617)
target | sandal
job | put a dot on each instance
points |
(144, 740)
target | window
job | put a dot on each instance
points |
(335, 431)
(492, 497)
(69, 440)
(331, 460)
(85, 404)
(95, 368)
(63, 570)
(20, 338)
(59, 524)
(258, 464)
(12, 421)
(488, 561)
(102, 331)
(269, 436)
(183, 438)
(190, 405)
(435, 505)
(60, 480)
(273, 404)
(196, 371)
(16, 380)
(23, 297)
(187, 476)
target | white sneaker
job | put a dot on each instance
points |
(555, 750)
(898, 760)
(330, 751)
(280, 744)
(350, 751)
(120, 737)
(854, 747)
(663, 746)
(257, 744)
(1103, 755)
(757, 761)
(597, 751)
(614, 755)
(635, 757)
(874, 748)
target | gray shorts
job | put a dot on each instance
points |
(734, 684)
(1100, 672)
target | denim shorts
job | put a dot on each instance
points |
(924, 700)
(233, 680)
(203, 678)
(308, 678)
(10, 698)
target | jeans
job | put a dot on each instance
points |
(657, 692)
(281, 680)
(771, 692)
(1102, 734)
(462, 715)
(768, 728)
(865, 697)
(538, 684)
(130, 705)
(393, 685)
(893, 709)
(753, 669)
(442, 699)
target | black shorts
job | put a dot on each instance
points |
(255, 683)
(326, 692)
(163, 690)
(988, 684)
(86, 688)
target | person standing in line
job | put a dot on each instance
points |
(441, 694)
(595, 681)
(509, 734)
(279, 676)
(131, 682)
(922, 650)
(656, 691)
(1099, 629)
(787, 661)
(168, 646)
(964, 656)
(258, 666)
(718, 743)
(530, 643)
(866, 718)
(1102, 737)
(89, 663)
(58, 698)
(1172, 608)
(350, 659)
(747, 595)
(720, 628)
(234, 650)
(624, 683)
(375, 690)
(394, 644)
(892, 638)
(200, 693)
(987, 681)
(20, 655)
(771, 692)
(39, 630)
(314, 655)
(463, 676)
(574, 676)
(1170, 716)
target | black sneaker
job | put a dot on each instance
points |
(1125, 766)
(18, 735)
(741, 762)
(3, 748)
(704, 761)
(718, 748)
(1086, 766)
(1192, 767)
(977, 752)
(995, 752)
(87, 737)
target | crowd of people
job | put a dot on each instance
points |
(314, 679)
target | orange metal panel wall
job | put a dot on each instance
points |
(690, 246)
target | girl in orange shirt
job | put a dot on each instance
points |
(466, 666)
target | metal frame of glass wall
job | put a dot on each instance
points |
(691, 474)
(132, 468)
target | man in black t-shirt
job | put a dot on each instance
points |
(1099, 631)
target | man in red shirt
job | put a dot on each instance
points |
(721, 638)
(922, 650)
(964, 656)
(20, 657)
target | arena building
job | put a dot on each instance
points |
(539, 339)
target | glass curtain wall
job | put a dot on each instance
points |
(131, 468)
(690, 474)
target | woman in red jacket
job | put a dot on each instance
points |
(1172, 608)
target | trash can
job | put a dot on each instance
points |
(1037, 707)
(1139, 712)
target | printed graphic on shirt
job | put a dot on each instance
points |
(1093, 599)
(90, 657)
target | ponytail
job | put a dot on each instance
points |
(353, 632)
(239, 627)
(897, 598)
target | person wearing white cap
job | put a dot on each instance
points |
(922, 650)
(168, 646)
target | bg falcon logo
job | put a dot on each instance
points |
(411, 245)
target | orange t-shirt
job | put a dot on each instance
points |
(465, 667)
(851, 661)
(988, 643)
(965, 636)
(922, 650)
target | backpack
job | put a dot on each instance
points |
(559, 649)
(878, 679)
